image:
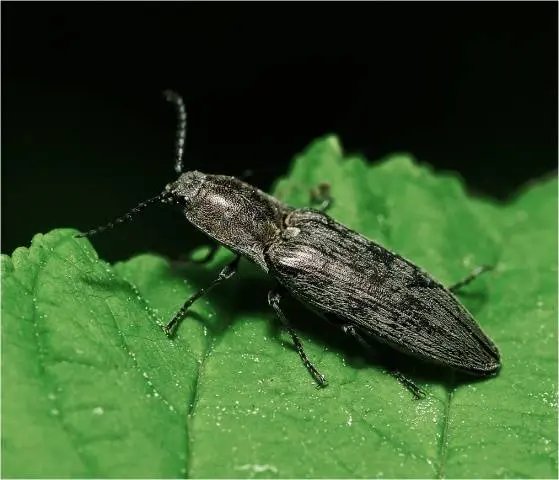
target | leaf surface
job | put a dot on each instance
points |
(93, 388)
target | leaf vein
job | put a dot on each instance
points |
(48, 380)
(443, 444)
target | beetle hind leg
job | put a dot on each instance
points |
(416, 391)
(274, 298)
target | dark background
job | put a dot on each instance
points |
(469, 87)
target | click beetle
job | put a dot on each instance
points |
(367, 291)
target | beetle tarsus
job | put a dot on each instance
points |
(169, 329)
(471, 277)
(416, 391)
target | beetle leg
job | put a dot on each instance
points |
(227, 272)
(322, 196)
(274, 298)
(472, 276)
(411, 386)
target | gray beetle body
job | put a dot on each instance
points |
(338, 272)
(354, 283)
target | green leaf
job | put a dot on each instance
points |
(93, 388)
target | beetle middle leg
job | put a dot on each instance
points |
(274, 298)
(471, 277)
(411, 386)
(227, 272)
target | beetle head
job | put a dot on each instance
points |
(185, 187)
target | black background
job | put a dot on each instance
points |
(469, 87)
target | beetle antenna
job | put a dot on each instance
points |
(127, 217)
(178, 102)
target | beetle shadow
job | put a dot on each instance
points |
(253, 292)
(198, 276)
(474, 300)
(247, 293)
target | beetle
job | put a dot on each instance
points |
(368, 291)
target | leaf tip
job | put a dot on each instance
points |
(334, 143)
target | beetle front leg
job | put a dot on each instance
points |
(227, 272)
(412, 387)
(471, 277)
(274, 298)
